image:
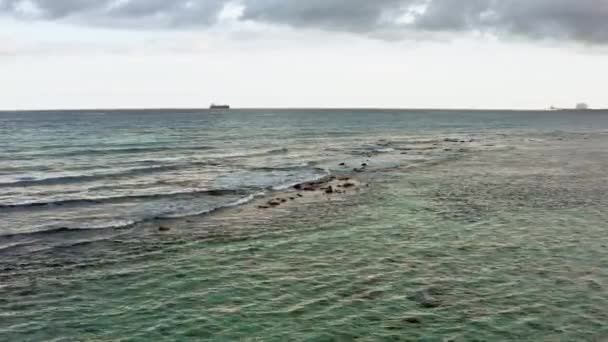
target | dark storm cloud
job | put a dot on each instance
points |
(346, 15)
(578, 20)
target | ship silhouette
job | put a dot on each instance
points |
(216, 106)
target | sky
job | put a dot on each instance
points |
(508, 54)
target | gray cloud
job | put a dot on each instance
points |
(576, 20)
(344, 15)
(580, 20)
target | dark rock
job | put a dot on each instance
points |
(348, 185)
(342, 164)
(263, 207)
(451, 140)
(343, 178)
(25, 293)
(298, 186)
(430, 303)
(329, 190)
(283, 200)
(274, 203)
(163, 229)
(292, 198)
(413, 320)
(364, 164)
(300, 195)
(358, 170)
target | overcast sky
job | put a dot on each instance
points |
(303, 53)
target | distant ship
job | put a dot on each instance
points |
(215, 106)
(579, 107)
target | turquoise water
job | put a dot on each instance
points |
(498, 237)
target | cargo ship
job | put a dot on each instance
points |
(216, 106)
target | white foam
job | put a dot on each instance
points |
(290, 185)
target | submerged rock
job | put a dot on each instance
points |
(412, 320)
(274, 203)
(426, 299)
(304, 187)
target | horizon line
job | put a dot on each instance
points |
(115, 109)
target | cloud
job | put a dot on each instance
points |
(574, 20)
(345, 15)
(579, 20)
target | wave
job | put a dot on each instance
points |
(95, 152)
(83, 232)
(278, 151)
(59, 230)
(260, 154)
(31, 181)
(384, 150)
(236, 203)
(326, 173)
(118, 199)
(300, 167)
(126, 224)
(68, 237)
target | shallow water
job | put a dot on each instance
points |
(498, 238)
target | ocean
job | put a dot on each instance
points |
(152, 225)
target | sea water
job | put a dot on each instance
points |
(474, 225)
